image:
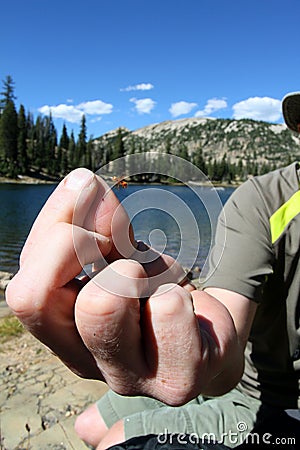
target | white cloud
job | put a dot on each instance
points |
(258, 108)
(67, 112)
(212, 105)
(180, 108)
(95, 107)
(138, 87)
(143, 105)
(73, 114)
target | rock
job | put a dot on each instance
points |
(32, 415)
(5, 278)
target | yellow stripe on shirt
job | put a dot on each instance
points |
(283, 216)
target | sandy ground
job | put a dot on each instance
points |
(39, 397)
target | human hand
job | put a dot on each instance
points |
(49, 299)
(44, 291)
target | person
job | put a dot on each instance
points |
(210, 362)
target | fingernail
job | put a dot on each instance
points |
(101, 238)
(104, 243)
(78, 179)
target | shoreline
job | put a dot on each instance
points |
(26, 180)
(31, 180)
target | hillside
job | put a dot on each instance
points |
(254, 146)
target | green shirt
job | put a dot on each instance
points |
(256, 254)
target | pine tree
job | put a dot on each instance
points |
(7, 93)
(89, 155)
(183, 152)
(64, 139)
(30, 138)
(9, 140)
(8, 129)
(50, 138)
(99, 159)
(168, 146)
(212, 170)
(118, 153)
(22, 141)
(199, 161)
(81, 144)
(62, 151)
(119, 149)
(38, 145)
(240, 169)
(72, 151)
(232, 172)
(223, 169)
(132, 148)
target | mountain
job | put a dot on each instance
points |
(255, 145)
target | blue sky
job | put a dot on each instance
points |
(133, 63)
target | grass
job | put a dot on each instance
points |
(10, 327)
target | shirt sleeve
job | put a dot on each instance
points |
(242, 256)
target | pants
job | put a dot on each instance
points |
(227, 419)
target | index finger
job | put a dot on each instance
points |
(60, 205)
(82, 199)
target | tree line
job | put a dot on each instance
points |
(224, 170)
(30, 146)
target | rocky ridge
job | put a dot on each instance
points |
(243, 139)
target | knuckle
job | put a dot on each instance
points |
(129, 268)
(18, 296)
(123, 279)
(170, 299)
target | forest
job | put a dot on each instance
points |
(31, 146)
(225, 150)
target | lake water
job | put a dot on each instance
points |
(177, 219)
